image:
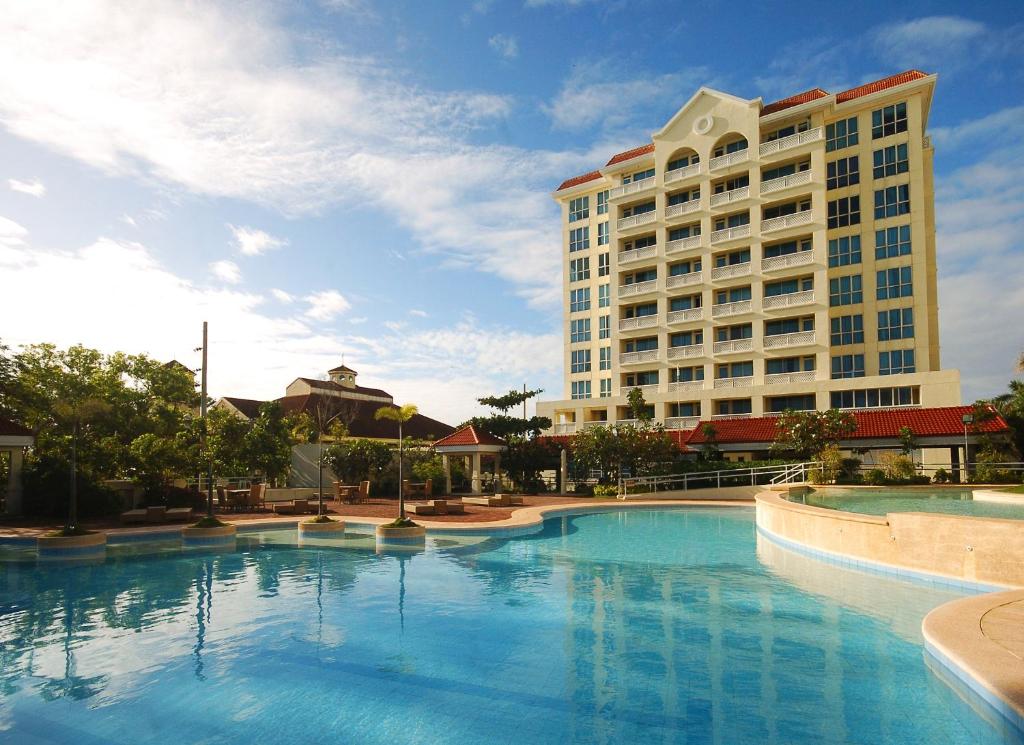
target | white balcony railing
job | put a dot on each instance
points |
(730, 416)
(733, 345)
(779, 184)
(624, 391)
(744, 382)
(565, 428)
(632, 358)
(728, 197)
(682, 244)
(794, 140)
(634, 187)
(686, 352)
(788, 300)
(636, 254)
(686, 386)
(685, 172)
(775, 263)
(639, 322)
(596, 423)
(682, 316)
(728, 234)
(644, 218)
(638, 288)
(731, 309)
(733, 270)
(683, 280)
(621, 422)
(784, 378)
(729, 159)
(795, 339)
(683, 208)
(787, 221)
(682, 422)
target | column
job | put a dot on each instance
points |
(563, 472)
(475, 474)
(14, 482)
(497, 473)
(446, 464)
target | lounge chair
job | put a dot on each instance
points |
(295, 507)
(179, 514)
(430, 507)
(134, 516)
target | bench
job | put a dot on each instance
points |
(498, 500)
(436, 507)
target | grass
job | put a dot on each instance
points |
(1014, 489)
(401, 522)
(321, 519)
(210, 522)
(68, 532)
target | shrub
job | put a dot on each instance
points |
(831, 465)
(849, 469)
(583, 489)
(897, 467)
(919, 479)
(941, 476)
(606, 490)
(875, 477)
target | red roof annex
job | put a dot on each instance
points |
(469, 435)
(630, 154)
(880, 85)
(577, 180)
(799, 98)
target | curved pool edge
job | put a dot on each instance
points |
(972, 552)
(980, 640)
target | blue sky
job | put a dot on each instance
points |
(373, 179)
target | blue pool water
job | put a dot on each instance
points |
(947, 501)
(675, 626)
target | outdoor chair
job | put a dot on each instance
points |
(257, 494)
(222, 498)
(364, 492)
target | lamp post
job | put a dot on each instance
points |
(968, 419)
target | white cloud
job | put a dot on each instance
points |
(931, 41)
(226, 271)
(234, 105)
(325, 305)
(253, 242)
(1007, 123)
(282, 296)
(99, 281)
(11, 233)
(417, 312)
(32, 188)
(504, 45)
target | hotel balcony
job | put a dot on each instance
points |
(645, 389)
(682, 422)
(729, 159)
(633, 358)
(784, 378)
(795, 339)
(686, 386)
(683, 208)
(731, 309)
(789, 300)
(638, 288)
(639, 322)
(731, 346)
(565, 428)
(596, 423)
(787, 221)
(683, 316)
(682, 244)
(730, 416)
(729, 234)
(684, 280)
(744, 382)
(636, 254)
(635, 221)
(776, 185)
(728, 272)
(729, 197)
(686, 352)
(777, 263)
(785, 144)
(681, 174)
(635, 187)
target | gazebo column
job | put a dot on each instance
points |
(446, 464)
(497, 472)
(14, 482)
(475, 480)
(563, 472)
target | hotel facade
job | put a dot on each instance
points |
(755, 258)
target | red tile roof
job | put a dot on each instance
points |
(470, 435)
(13, 429)
(630, 154)
(880, 85)
(786, 103)
(577, 180)
(331, 385)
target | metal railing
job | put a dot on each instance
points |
(785, 473)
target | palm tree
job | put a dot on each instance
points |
(77, 414)
(400, 414)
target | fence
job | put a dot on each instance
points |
(786, 473)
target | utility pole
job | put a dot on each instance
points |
(204, 449)
(524, 401)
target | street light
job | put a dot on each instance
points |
(968, 419)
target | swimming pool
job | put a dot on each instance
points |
(669, 626)
(947, 501)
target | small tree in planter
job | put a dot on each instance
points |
(399, 414)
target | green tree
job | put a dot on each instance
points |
(399, 414)
(525, 457)
(357, 460)
(908, 442)
(806, 433)
(267, 446)
(78, 415)
(709, 450)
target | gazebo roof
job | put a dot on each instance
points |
(470, 439)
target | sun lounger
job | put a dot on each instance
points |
(145, 515)
(295, 507)
(179, 514)
(133, 516)
(434, 507)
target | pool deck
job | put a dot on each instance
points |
(981, 640)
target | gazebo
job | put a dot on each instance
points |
(471, 444)
(13, 440)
